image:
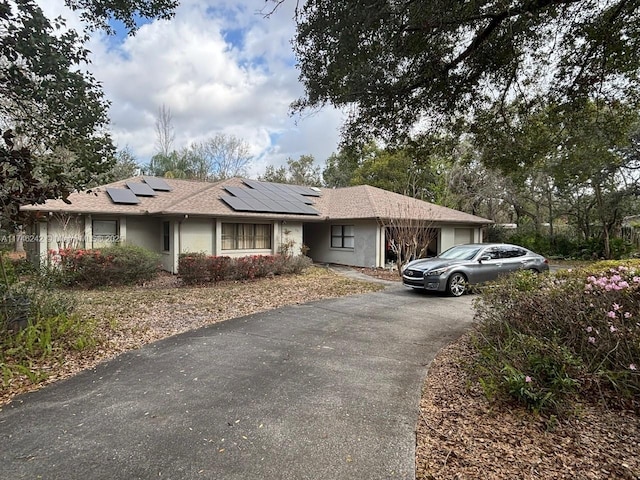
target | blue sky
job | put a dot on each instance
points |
(220, 67)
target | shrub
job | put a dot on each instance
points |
(37, 323)
(194, 268)
(30, 302)
(48, 338)
(115, 265)
(8, 274)
(198, 268)
(575, 333)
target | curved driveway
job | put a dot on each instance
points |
(326, 390)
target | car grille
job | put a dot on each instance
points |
(413, 273)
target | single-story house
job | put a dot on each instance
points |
(238, 217)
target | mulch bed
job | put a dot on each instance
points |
(461, 435)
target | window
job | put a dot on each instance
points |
(104, 232)
(512, 252)
(246, 236)
(342, 236)
(166, 236)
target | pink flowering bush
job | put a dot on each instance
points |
(573, 334)
(198, 268)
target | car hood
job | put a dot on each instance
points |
(426, 264)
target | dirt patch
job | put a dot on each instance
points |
(381, 273)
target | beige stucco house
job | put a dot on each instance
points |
(239, 217)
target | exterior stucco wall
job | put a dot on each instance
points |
(287, 234)
(144, 232)
(196, 235)
(367, 248)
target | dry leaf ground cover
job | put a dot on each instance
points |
(127, 318)
(459, 435)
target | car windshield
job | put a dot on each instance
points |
(461, 252)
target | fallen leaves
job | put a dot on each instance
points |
(460, 435)
(131, 317)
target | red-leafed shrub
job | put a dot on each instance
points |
(116, 265)
(219, 267)
(198, 268)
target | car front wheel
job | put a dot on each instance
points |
(457, 284)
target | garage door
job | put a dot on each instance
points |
(463, 235)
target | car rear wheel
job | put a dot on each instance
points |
(457, 284)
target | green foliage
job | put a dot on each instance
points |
(37, 324)
(298, 172)
(565, 246)
(115, 265)
(48, 338)
(126, 166)
(198, 268)
(23, 266)
(388, 170)
(26, 180)
(53, 107)
(392, 63)
(544, 340)
(129, 12)
(8, 275)
(539, 375)
(577, 162)
(339, 168)
(217, 158)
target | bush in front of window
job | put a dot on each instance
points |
(114, 265)
(193, 268)
(198, 268)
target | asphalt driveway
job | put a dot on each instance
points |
(325, 390)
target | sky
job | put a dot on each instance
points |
(219, 67)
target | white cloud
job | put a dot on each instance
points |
(219, 69)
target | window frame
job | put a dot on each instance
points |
(105, 238)
(343, 240)
(166, 236)
(245, 236)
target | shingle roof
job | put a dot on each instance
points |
(202, 198)
(365, 201)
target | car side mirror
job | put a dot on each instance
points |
(485, 257)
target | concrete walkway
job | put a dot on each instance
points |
(327, 390)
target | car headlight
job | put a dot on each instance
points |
(437, 272)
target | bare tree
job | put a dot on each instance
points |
(222, 156)
(72, 231)
(408, 231)
(165, 134)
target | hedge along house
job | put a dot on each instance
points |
(239, 217)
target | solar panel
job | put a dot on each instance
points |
(141, 189)
(123, 196)
(237, 204)
(157, 184)
(307, 191)
(268, 197)
(255, 205)
(238, 191)
(254, 184)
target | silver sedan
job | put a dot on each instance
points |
(455, 269)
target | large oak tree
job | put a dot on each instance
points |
(396, 63)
